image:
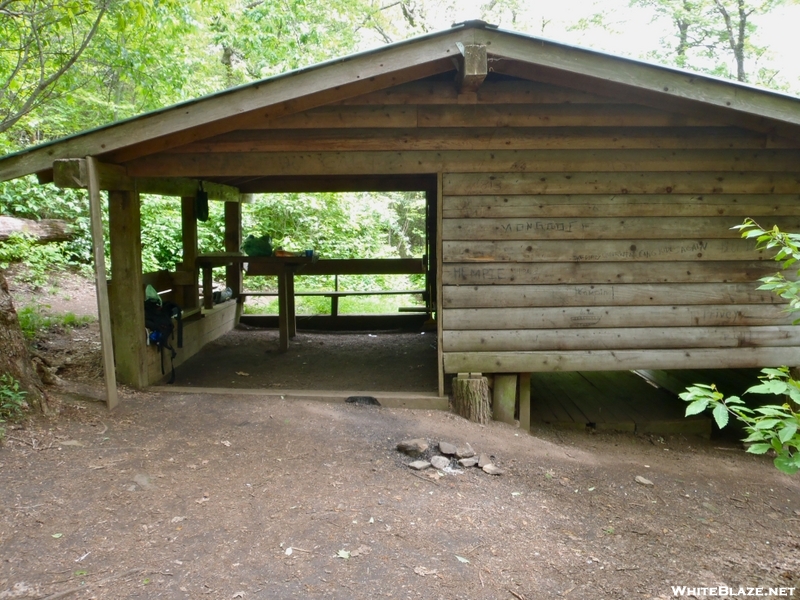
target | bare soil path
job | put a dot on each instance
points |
(197, 496)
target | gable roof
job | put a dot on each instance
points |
(509, 53)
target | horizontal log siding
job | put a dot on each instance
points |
(617, 263)
(572, 280)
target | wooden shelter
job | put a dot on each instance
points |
(583, 202)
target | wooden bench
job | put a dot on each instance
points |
(346, 266)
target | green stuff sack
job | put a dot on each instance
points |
(258, 246)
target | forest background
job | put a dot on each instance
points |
(71, 65)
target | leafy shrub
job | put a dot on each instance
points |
(12, 401)
(33, 321)
(40, 259)
(771, 427)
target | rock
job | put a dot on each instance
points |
(465, 451)
(641, 480)
(447, 448)
(468, 462)
(363, 400)
(484, 460)
(440, 462)
(142, 480)
(492, 469)
(413, 447)
(420, 465)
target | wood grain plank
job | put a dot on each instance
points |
(618, 360)
(600, 251)
(360, 138)
(491, 92)
(602, 228)
(616, 205)
(551, 115)
(722, 315)
(621, 183)
(621, 338)
(577, 273)
(631, 294)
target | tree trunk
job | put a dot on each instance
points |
(15, 359)
(471, 399)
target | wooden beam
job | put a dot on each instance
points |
(504, 398)
(72, 173)
(587, 251)
(620, 338)
(712, 315)
(525, 401)
(472, 67)
(614, 205)
(556, 171)
(334, 183)
(103, 310)
(360, 138)
(190, 296)
(618, 272)
(629, 294)
(602, 228)
(233, 243)
(691, 182)
(509, 91)
(619, 360)
(436, 301)
(127, 291)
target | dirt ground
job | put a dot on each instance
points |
(179, 495)
(364, 361)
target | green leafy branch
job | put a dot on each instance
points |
(788, 253)
(771, 427)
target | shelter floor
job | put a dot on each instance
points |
(248, 358)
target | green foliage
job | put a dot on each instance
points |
(25, 198)
(712, 36)
(788, 253)
(34, 321)
(12, 401)
(771, 427)
(40, 259)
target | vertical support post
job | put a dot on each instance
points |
(103, 310)
(208, 288)
(290, 305)
(525, 401)
(127, 293)
(283, 310)
(505, 397)
(436, 304)
(233, 243)
(190, 298)
(335, 298)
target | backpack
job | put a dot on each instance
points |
(158, 321)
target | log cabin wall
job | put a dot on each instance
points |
(579, 231)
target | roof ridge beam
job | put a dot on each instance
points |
(472, 67)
